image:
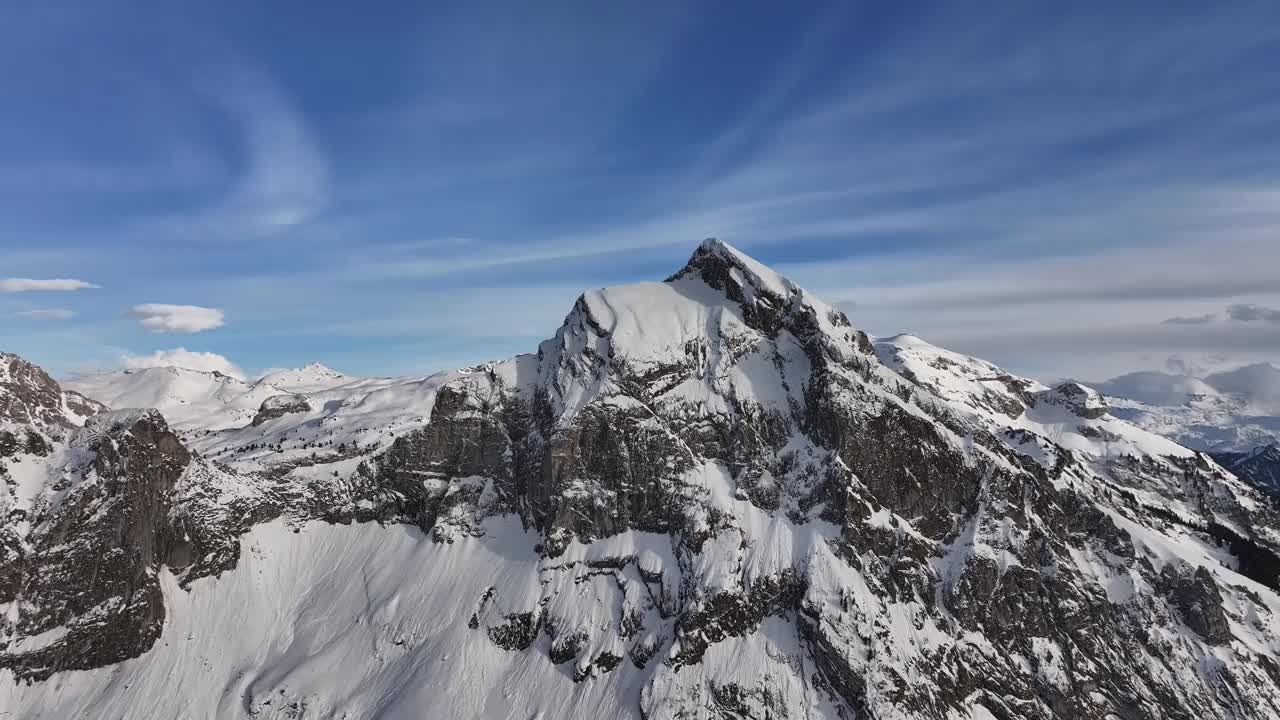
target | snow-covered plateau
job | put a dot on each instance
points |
(708, 497)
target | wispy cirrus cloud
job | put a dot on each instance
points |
(283, 177)
(159, 317)
(46, 314)
(287, 176)
(18, 285)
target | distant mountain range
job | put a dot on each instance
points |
(1234, 415)
(1227, 411)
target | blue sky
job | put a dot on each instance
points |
(395, 188)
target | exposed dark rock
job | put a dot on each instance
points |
(92, 567)
(1085, 402)
(28, 396)
(36, 444)
(567, 646)
(607, 661)
(734, 614)
(642, 652)
(279, 406)
(1196, 596)
(81, 405)
(518, 632)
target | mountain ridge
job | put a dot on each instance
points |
(711, 495)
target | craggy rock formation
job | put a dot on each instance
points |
(279, 406)
(1083, 401)
(87, 575)
(124, 498)
(739, 494)
(29, 397)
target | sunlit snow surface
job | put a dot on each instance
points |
(367, 621)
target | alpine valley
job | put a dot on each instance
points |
(708, 497)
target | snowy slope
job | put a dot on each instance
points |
(215, 413)
(349, 632)
(188, 398)
(707, 497)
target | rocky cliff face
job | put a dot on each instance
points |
(95, 503)
(31, 399)
(741, 505)
(119, 500)
(85, 588)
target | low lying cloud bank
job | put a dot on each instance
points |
(184, 358)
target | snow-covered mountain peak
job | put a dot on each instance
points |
(311, 377)
(723, 331)
(1260, 465)
(704, 497)
(904, 340)
(765, 296)
(743, 269)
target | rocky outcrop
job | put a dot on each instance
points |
(89, 573)
(30, 397)
(279, 406)
(1198, 601)
(1085, 402)
(125, 498)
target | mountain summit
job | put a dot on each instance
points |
(707, 497)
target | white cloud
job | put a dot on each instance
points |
(1195, 365)
(46, 314)
(158, 317)
(184, 358)
(287, 177)
(17, 285)
(1259, 382)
